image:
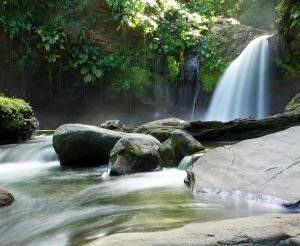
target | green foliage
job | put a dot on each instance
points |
(88, 60)
(13, 113)
(259, 13)
(177, 30)
(173, 69)
(227, 8)
(289, 11)
(52, 42)
(290, 14)
(288, 70)
(213, 64)
(136, 82)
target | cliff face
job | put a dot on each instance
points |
(232, 38)
(103, 31)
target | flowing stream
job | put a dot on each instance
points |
(243, 89)
(57, 206)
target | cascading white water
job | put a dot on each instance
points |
(195, 101)
(243, 90)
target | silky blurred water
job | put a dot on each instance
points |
(58, 206)
(243, 90)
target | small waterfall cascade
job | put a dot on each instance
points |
(39, 149)
(195, 101)
(243, 89)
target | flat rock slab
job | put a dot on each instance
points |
(269, 230)
(268, 165)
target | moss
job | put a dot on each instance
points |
(294, 104)
(288, 70)
(14, 113)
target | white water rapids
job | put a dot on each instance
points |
(243, 89)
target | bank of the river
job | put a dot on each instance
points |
(268, 230)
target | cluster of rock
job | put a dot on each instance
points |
(157, 144)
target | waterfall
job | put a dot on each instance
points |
(195, 101)
(243, 90)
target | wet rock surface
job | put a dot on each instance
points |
(179, 145)
(270, 230)
(6, 198)
(132, 156)
(242, 129)
(265, 166)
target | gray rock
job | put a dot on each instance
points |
(268, 230)
(83, 145)
(132, 156)
(113, 125)
(268, 165)
(179, 145)
(6, 198)
(170, 122)
(242, 129)
(294, 105)
(162, 129)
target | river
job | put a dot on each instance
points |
(58, 206)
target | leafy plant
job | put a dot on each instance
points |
(136, 83)
(173, 69)
(213, 64)
(87, 59)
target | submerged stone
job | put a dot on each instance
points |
(6, 198)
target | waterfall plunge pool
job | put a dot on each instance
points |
(57, 206)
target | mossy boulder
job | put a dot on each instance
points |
(17, 121)
(294, 105)
(6, 198)
(179, 145)
(132, 156)
(80, 145)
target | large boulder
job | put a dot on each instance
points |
(17, 121)
(179, 145)
(6, 198)
(162, 129)
(83, 145)
(132, 156)
(294, 105)
(265, 166)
